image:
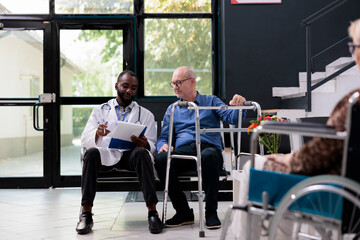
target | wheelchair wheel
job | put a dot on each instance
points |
(323, 207)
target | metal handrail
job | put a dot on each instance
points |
(322, 12)
(334, 75)
(330, 47)
(307, 23)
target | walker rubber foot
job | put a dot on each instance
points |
(201, 234)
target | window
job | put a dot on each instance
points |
(178, 6)
(76, 49)
(171, 43)
(24, 7)
(72, 123)
(90, 62)
(174, 40)
(93, 6)
(21, 63)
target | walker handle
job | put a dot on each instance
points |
(183, 104)
(247, 103)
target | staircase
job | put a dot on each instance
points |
(319, 90)
(324, 97)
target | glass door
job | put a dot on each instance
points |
(91, 57)
(22, 80)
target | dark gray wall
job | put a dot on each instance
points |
(265, 44)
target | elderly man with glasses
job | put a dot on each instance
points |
(184, 85)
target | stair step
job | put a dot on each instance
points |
(340, 63)
(281, 91)
(325, 97)
(314, 76)
(296, 95)
(327, 87)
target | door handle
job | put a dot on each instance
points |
(36, 117)
(43, 99)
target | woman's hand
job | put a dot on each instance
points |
(281, 159)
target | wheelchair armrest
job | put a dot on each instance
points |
(304, 129)
(308, 129)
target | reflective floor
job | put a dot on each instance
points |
(53, 213)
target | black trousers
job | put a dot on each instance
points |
(137, 160)
(211, 164)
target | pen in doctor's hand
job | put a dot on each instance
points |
(105, 125)
(102, 128)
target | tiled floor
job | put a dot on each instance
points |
(52, 214)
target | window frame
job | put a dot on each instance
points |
(133, 54)
(215, 22)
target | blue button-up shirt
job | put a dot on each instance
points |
(184, 122)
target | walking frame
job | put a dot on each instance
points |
(192, 106)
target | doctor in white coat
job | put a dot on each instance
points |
(96, 138)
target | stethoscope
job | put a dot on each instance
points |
(107, 108)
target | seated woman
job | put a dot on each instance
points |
(319, 156)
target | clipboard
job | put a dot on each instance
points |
(121, 135)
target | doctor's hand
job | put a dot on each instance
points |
(140, 141)
(102, 129)
(237, 100)
(165, 148)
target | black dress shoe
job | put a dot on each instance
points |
(155, 224)
(181, 218)
(85, 223)
(212, 220)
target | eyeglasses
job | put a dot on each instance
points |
(178, 83)
(352, 47)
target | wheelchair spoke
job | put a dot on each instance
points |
(337, 205)
(320, 204)
(297, 206)
(357, 224)
(319, 201)
(310, 199)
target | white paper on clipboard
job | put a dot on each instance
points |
(121, 135)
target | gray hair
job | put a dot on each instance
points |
(354, 31)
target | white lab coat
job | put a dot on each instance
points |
(109, 156)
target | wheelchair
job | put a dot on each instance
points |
(321, 207)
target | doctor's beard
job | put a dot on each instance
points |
(123, 100)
